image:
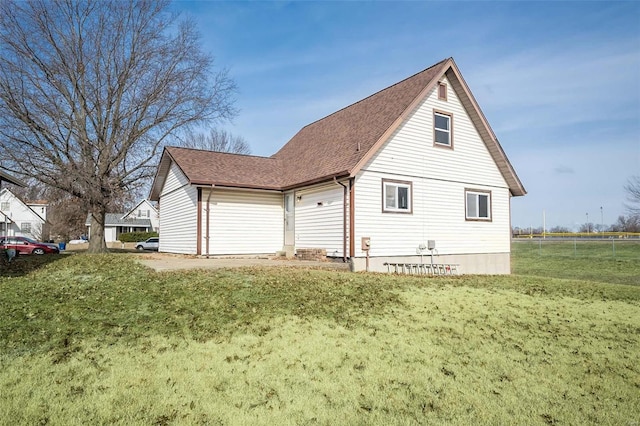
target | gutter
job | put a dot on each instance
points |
(344, 219)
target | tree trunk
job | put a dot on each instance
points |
(97, 243)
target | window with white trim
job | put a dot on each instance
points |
(25, 227)
(5, 205)
(478, 205)
(442, 128)
(396, 196)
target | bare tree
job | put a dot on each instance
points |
(67, 217)
(633, 195)
(91, 90)
(66, 213)
(629, 223)
(559, 229)
(217, 140)
(586, 227)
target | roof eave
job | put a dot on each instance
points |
(161, 174)
(217, 184)
(327, 178)
(486, 132)
(8, 178)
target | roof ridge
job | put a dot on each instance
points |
(379, 91)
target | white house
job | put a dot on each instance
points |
(22, 218)
(413, 163)
(145, 210)
(143, 217)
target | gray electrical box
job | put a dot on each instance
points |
(431, 244)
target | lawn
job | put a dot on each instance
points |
(88, 339)
(612, 261)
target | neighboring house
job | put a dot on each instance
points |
(142, 218)
(20, 218)
(413, 163)
(145, 210)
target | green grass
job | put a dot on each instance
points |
(100, 339)
(592, 261)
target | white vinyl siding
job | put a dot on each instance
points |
(319, 219)
(178, 203)
(439, 179)
(24, 221)
(410, 150)
(438, 214)
(243, 222)
(146, 210)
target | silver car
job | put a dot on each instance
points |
(151, 244)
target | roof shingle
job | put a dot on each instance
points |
(333, 146)
(336, 143)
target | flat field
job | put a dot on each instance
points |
(612, 261)
(87, 339)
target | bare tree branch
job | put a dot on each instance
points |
(217, 140)
(633, 195)
(90, 91)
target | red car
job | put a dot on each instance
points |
(24, 245)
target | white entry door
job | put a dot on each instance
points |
(289, 219)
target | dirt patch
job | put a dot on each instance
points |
(171, 262)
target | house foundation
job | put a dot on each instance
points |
(476, 263)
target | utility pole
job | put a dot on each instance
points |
(587, 223)
(601, 219)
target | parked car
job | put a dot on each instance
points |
(150, 244)
(24, 245)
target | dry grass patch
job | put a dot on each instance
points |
(278, 346)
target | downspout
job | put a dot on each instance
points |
(207, 219)
(352, 218)
(344, 219)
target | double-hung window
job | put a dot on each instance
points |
(396, 196)
(25, 227)
(478, 205)
(442, 129)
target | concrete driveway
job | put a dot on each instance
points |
(173, 262)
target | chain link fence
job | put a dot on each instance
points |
(616, 248)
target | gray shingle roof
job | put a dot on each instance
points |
(115, 219)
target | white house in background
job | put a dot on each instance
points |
(20, 218)
(143, 217)
(145, 210)
(412, 163)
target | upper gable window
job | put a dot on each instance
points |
(396, 196)
(5, 205)
(442, 129)
(478, 205)
(442, 91)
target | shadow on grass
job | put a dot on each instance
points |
(24, 264)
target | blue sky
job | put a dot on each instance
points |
(559, 82)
